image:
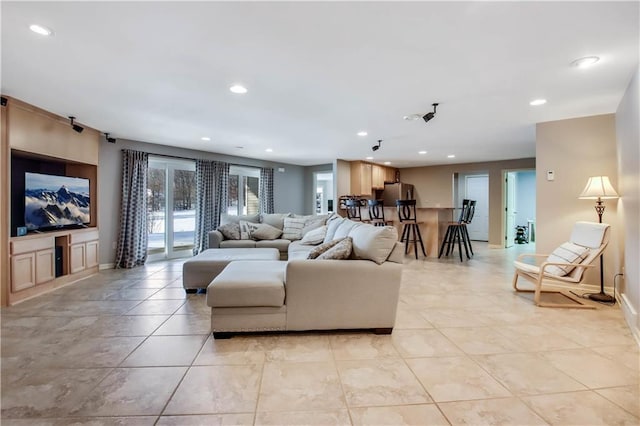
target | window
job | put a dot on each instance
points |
(244, 184)
(171, 218)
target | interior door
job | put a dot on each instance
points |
(477, 188)
(510, 209)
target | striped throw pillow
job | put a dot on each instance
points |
(292, 229)
(566, 253)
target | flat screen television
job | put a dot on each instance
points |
(52, 201)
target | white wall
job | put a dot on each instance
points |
(525, 196)
(628, 144)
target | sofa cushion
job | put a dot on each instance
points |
(344, 228)
(263, 231)
(248, 283)
(297, 250)
(317, 251)
(231, 231)
(293, 228)
(340, 251)
(229, 218)
(313, 223)
(279, 244)
(237, 244)
(332, 225)
(566, 253)
(315, 237)
(274, 219)
(373, 242)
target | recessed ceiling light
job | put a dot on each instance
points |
(39, 29)
(411, 117)
(369, 158)
(585, 62)
(205, 138)
(451, 156)
(269, 150)
(386, 163)
(362, 133)
(238, 88)
(239, 147)
(538, 102)
(422, 152)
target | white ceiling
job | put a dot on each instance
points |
(319, 72)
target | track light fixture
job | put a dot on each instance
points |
(109, 139)
(428, 116)
(74, 126)
(376, 147)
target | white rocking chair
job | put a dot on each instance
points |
(589, 236)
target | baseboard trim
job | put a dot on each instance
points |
(104, 266)
(630, 316)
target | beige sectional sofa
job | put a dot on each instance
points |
(360, 292)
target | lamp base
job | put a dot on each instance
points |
(602, 297)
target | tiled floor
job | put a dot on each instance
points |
(128, 347)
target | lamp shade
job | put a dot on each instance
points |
(599, 187)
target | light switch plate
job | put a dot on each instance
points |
(550, 175)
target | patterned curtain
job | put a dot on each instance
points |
(212, 187)
(265, 193)
(132, 241)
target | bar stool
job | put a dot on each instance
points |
(353, 210)
(376, 213)
(410, 226)
(457, 232)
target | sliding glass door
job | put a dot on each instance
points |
(171, 215)
(244, 184)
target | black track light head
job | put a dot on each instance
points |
(428, 116)
(109, 139)
(376, 147)
(74, 126)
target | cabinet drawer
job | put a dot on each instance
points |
(83, 237)
(31, 244)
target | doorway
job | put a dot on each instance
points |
(323, 192)
(474, 187)
(519, 195)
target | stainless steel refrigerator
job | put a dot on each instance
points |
(396, 191)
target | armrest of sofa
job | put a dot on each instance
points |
(215, 237)
(337, 294)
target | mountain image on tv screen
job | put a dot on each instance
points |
(55, 201)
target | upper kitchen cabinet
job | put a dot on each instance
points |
(361, 178)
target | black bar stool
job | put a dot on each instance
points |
(410, 226)
(376, 213)
(353, 210)
(457, 232)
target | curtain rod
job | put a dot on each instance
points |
(188, 158)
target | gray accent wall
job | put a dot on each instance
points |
(289, 186)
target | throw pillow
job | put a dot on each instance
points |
(322, 248)
(340, 251)
(263, 231)
(331, 228)
(312, 223)
(231, 231)
(373, 242)
(245, 229)
(345, 228)
(566, 253)
(293, 228)
(315, 236)
(274, 219)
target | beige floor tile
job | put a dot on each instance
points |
(627, 397)
(156, 307)
(527, 374)
(185, 324)
(170, 293)
(240, 350)
(217, 389)
(491, 412)
(132, 294)
(131, 391)
(455, 379)
(93, 352)
(127, 325)
(627, 355)
(195, 305)
(160, 351)
(300, 386)
(580, 408)
(536, 338)
(298, 348)
(82, 421)
(296, 418)
(379, 383)
(362, 346)
(410, 318)
(423, 343)
(399, 415)
(45, 392)
(451, 318)
(212, 419)
(480, 340)
(591, 369)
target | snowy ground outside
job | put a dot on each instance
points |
(184, 225)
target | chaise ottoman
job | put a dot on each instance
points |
(200, 270)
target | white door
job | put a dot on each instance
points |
(477, 188)
(510, 209)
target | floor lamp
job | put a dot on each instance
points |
(599, 188)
